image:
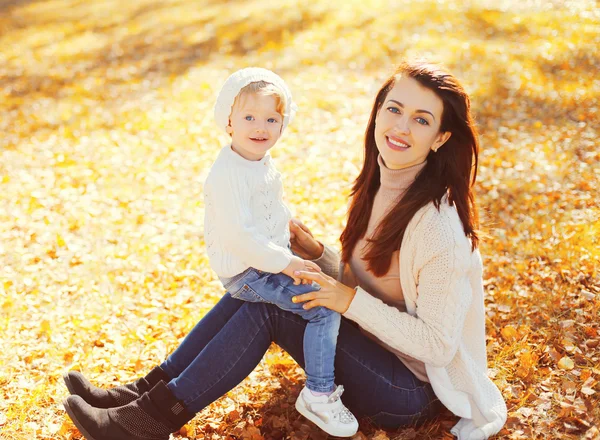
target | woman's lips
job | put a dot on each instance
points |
(396, 144)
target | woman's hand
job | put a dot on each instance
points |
(299, 265)
(333, 294)
(303, 243)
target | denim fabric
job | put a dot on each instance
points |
(229, 342)
(320, 336)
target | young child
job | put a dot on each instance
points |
(247, 232)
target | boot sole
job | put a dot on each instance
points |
(68, 384)
(317, 421)
(79, 426)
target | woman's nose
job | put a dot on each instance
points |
(402, 125)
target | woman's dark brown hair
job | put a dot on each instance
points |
(451, 170)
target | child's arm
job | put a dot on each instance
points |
(229, 197)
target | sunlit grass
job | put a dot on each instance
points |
(107, 135)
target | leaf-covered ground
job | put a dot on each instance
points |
(107, 134)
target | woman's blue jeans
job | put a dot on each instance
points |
(229, 342)
(321, 332)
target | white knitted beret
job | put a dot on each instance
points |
(240, 79)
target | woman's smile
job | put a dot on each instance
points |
(397, 144)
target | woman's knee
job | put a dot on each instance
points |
(320, 314)
(264, 314)
(285, 328)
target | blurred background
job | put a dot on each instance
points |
(106, 135)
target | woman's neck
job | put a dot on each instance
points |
(398, 180)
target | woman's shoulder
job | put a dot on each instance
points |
(439, 225)
(442, 216)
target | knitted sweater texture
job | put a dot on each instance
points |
(444, 322)
(387, 287)
(246, 223)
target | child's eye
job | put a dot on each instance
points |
(422, 121)
(272, 120)
(249, 118)
(394, 110)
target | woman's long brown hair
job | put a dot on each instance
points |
(451, 170)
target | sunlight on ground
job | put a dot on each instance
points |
(107, 135)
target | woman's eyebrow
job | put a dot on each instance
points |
(418, 111)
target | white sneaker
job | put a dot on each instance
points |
(327, 412)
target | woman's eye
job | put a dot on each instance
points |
(394, 110)
(422, 121)
(249, 118)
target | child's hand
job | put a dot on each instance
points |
(299, 265)
(303, 243)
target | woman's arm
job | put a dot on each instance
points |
(444, 296)
(307, 247)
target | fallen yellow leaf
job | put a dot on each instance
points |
(566, 363)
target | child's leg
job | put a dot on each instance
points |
(320, 341)
(320, 337)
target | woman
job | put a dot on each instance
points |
(410, 288)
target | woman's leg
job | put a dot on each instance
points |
(230, 356)
(193, 344)
(201, 335)
(377, 384)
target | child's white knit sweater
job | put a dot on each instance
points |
(444, 325)
(246, 223)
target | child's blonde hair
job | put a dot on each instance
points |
(266, 89)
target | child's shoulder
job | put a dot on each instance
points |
(222, 171)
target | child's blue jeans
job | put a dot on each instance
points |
(323, 325)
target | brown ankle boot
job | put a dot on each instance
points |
(154, 416)
(100, 398)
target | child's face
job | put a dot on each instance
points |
(254, 125)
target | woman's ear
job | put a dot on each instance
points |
(441, 140)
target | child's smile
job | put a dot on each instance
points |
(255, 125)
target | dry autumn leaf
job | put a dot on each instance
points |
(566, 363)
(380, 435)
(107, 135)
(509, 333)
(588, 391)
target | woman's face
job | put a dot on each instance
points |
(407, 125)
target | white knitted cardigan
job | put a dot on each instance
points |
(444, 325)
